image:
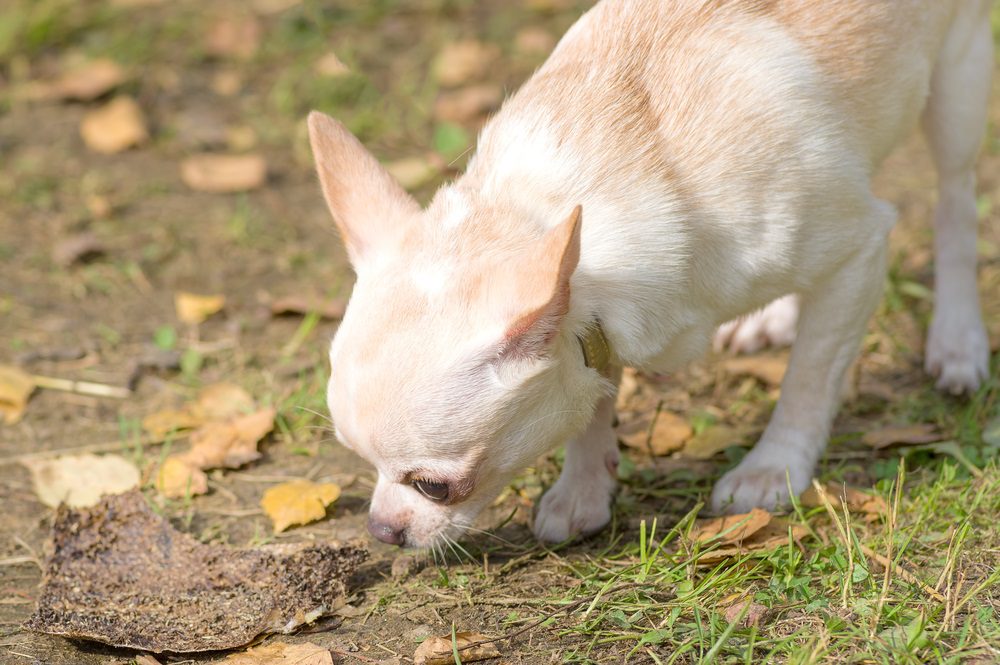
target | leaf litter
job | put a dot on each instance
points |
(120, 574)
(221, 174)
(738, 535)
(194, 308)
(16, 387)
(280, 653)
(114, 127)
(901, 434)
(81, 480)
(437, 650)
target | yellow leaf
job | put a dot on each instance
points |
(162, 423)
(177, 478)
(221, 174)
(114, 127)
(193, 308)
(713, 440)
(81, 480)
(223, 400)
(670, 431)
(440, 650)
(16, 387)
(298, 502)
(280, 653)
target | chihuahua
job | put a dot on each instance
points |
(674, 165)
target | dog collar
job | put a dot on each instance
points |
(596, 350)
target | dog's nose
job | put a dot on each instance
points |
(386, 533)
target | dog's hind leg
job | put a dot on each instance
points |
(957, 351)
(835, 313)
(772, 326)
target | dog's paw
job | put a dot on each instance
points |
(759, 484)
(957, 353)
(772, 326)
(571, 509)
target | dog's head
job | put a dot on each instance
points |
(452, 369)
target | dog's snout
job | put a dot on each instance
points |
(386, 532)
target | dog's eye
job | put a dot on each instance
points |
(433, 491)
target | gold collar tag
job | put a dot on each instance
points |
(596, 350)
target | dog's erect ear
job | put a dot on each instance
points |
(544, 289)
(365, 200)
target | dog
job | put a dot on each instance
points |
(674, 165)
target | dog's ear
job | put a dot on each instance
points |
(366, 202)
(544, 289)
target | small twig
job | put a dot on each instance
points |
(90, 448)
(902, 572)
(81, 387)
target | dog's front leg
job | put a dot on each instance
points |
(833, 319)
(580, 500)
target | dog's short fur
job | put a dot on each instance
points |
(721, 152)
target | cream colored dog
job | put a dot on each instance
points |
(675, 164)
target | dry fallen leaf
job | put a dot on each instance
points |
(769, 369)
(466, 104)
(731, 528)
(412, 172)
(220, 174)
(146, 659)
(81, 480)
(229, 444)
(713, 440)
(734, 606)
(176, 478)
(280, 653)
(901, 434)
(669, 433)
(219, 401)
(298, 502)
(114, 127)
(84, 83)
(440, 650)
(331, 66)
(16, 387)
(193, 308)
(234, 36)
(774, 534)
(162, 423)
(857, 501)
(78, 247)
(464, 61)
(303, 305)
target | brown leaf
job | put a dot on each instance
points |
(774, 534)
(220, 401)
(177, 478)
(298, 502)
(713, 440)
(234, 37)
(857, 501)
(229, 444)
(78, 247)
(412, 172)
(193, 308)
(439, 650)
(769, 369)
(81, 480)
(732, 607)
(670, 431)
(464, 61)
(303, 305)
(146, 659)
(220, 174)
(16, 387)
(114, 127)
(227, 82)
(731, 528)
(467, 104)
(280, 653)
(901, 434)
(85, 82)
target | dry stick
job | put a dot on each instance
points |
(81, 387)
(902, 572)
(90, 448)
(564, 609)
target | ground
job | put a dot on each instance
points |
(641, 595)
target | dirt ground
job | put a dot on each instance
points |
(99, 318)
